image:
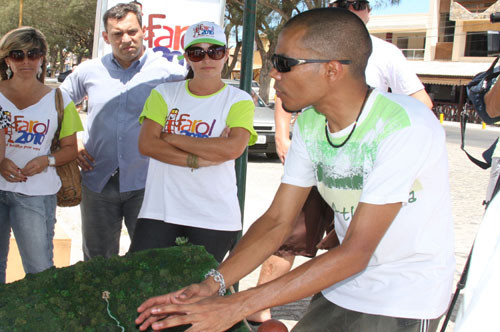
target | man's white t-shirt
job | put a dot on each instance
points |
(205, 197)
(397, 153)
(388, 67)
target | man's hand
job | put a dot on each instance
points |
(84, 159)
(190, 294)
(212, 314)
(10, 171)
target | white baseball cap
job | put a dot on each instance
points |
(204, 32)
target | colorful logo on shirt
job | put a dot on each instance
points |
(4, 118)
(28, 131)
(182, 124)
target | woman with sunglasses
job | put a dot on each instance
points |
(193, 131)
(29, 182)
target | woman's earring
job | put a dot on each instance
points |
(8, 72)
(39, 73)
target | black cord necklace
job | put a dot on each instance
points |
(353, 127)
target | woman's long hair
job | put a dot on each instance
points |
(23, 38)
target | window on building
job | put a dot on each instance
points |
(402, 43)
(446, 28)
(443, 93)
(476, 44)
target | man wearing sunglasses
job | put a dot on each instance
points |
(379, 160)
(387, 69)
(117, 86)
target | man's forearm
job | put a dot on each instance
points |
(282, 121)
(365, 232)
(307, 279)
(266, 234)
(424, 97)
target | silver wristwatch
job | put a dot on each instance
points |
(52, 160)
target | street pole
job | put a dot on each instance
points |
(246, 84)
(20, 12)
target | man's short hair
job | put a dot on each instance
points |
(120, 11)
(335, 33)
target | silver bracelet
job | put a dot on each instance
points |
(217, 278)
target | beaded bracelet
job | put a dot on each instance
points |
(192, 161)
(219, 279)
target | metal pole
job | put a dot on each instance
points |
(20, 12)
(245, 84)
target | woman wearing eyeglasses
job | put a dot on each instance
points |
(193, 131)
(28, 181)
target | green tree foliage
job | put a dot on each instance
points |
(67, 24)
(271, 16)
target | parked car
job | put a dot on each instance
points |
(255, 85)
(263, 123)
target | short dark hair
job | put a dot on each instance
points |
(137, 3)
(335, 33)
(120, 11)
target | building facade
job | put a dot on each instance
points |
(447, 42)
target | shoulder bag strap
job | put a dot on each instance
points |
(463, 123)
(60, 115)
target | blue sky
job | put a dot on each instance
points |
(404, 7)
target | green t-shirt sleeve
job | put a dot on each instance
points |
(241, 115)
(155, 108)
(71, 121)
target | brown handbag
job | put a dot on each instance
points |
(70, 193)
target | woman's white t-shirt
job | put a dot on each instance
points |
(205, 197)
(30, 135)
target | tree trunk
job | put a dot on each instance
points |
(265, 79)
(62, 59)
(229, 68)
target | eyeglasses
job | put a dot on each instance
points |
(196, 54)
(356, 5)
(284, 64)
(19, 55)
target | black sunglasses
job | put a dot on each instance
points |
(196, 54)
(356, 5)
(284, 64)
(19, 55)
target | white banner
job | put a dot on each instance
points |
(164, 22)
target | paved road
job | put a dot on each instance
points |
(468, 185)
(474, 136)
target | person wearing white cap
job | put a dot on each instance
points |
(193, 131)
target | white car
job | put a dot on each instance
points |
(263, 123)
